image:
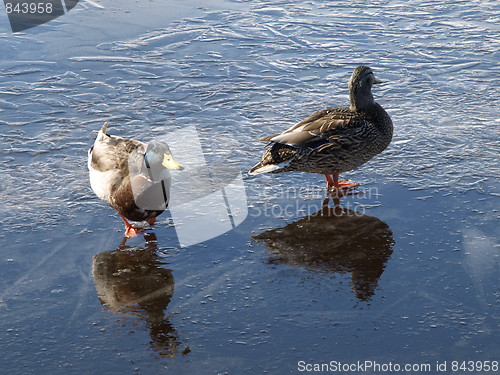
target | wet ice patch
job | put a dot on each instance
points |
(480, 250)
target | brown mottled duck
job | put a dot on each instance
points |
(334, 140)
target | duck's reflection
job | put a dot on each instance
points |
(131, 280)
(335, 240)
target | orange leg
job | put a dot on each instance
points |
(329, 181)
(131, 231)
(151, 220)
(340, 188)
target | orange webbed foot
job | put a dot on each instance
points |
(345, 184)
(339, 187)
(130, 230)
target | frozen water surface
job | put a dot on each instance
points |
(419, 286)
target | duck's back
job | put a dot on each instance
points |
(328, 141)
(109, 163)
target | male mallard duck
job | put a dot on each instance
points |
(131, 177)
(333, 140)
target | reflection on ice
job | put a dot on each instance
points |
(131, 280)
(335, 240)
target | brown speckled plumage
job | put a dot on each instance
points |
(333, 140)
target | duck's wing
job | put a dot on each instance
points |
(111, 152)
(321, 128)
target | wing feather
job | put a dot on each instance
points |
(113, 152)
(321, 128)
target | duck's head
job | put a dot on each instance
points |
(159, 154)
(360, 87)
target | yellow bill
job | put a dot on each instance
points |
(170, 163)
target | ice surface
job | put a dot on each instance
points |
(254, 72)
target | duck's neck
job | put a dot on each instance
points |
(152, 167)
(360, 98)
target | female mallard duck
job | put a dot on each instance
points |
(333, 140)
(131, 177)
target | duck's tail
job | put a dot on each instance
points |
(101, 134)
(276, 159)
(104, 128)
(262, 167)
